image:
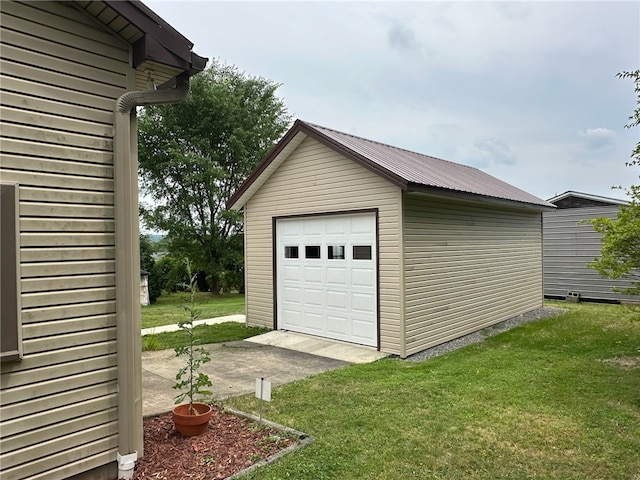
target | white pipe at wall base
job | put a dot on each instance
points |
(126, 464)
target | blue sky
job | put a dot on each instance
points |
(525, 91)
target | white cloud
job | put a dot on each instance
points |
(598, 139)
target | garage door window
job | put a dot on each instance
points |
(362, 252)
(312, 251)
(335, 252)
(291, 251)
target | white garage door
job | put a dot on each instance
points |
(326, 271)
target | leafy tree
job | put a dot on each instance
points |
(193, 155)
(620, 255)
(148, 263)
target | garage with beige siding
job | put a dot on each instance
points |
(67, 406)
(455, 249)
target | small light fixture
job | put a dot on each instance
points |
(151, 83)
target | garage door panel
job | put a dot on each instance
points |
(362, 302)
(338, 327)
(292, 273)
(337, 276)
(293, 317)
(313, 322)
(313, 274)
(292, 295)
(336, 299)
(362, 277)
(327, 277)
(360, 329)
(313, 297)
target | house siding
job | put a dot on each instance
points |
(466, 267)
(568, 246)
(60, 77)
(315, 179)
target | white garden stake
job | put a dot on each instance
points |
(263, 392)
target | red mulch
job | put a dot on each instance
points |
(229, 445)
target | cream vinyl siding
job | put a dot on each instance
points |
(315, 179)
(60, 76)
(467, 267)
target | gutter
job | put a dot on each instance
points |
(128, 323)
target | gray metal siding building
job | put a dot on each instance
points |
(570, 243)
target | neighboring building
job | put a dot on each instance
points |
(72, 75)
(144, 288)
(570, 243)
(353, 240)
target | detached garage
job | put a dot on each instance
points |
(354, 240)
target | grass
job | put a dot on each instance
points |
(548, 400)
(167, 310)
(217, 333)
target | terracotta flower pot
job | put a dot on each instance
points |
(189, 424)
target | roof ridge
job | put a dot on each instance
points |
(315, 125)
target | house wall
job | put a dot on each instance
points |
(467, 267)
(60, 77)
(316, 179)
(568, 246)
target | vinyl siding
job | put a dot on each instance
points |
(60, 76)
(466, 267)
(315, 179)
(568, 246)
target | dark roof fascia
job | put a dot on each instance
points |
(160, 42)
(391, 177)
(477, 198)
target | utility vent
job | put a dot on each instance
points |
(573, 297)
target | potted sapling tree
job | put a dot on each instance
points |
(192, 418)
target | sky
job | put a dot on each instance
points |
(525, 91)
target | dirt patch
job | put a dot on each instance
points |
(229, 445)
(623, 362)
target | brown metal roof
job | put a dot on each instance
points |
(410, 171)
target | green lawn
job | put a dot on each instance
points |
(217, 333)
(168, 310)
(554, 399)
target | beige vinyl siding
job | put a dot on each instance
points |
(315, 179)
(467, 267)
(60, 76)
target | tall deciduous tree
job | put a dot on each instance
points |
(193, 155)
(620, 255)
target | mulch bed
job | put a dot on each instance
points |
(229, 445)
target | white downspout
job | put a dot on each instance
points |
(128, 324)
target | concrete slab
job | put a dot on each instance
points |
(346, 352)
(233, 370)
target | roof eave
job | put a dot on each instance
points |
(160, 42)
(478, 198)
(587, 196)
